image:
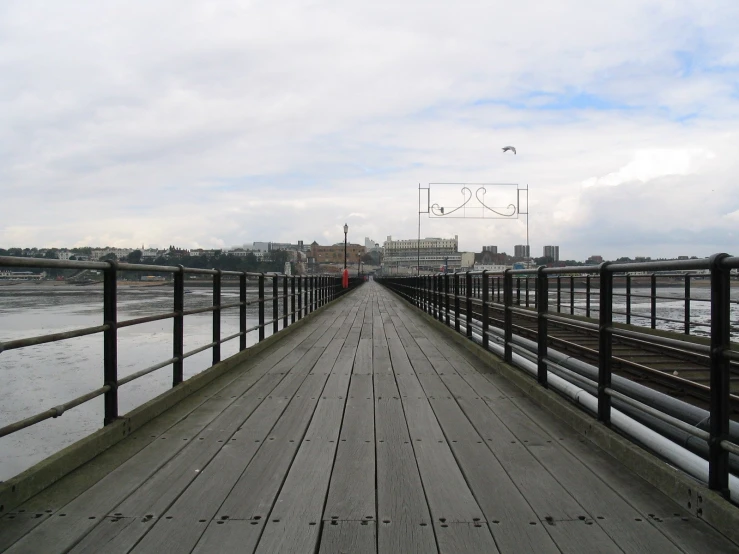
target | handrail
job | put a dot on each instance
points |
(311, 292)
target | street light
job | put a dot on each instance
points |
(346, 230)
(359, 260)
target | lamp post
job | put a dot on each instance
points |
(359, 260)
(346, 230)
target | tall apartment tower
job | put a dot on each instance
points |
(552, 252)
(491, 249)
(521, 251)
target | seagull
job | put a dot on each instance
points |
(507, 148)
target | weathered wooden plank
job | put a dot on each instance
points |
(676, 523)
(352, 489)
(348, 537)
(405, 521)
(500, 500)
(230, 537)
(113, 535)
(254, 493)
(155, 495)
(466, 538)
(294, 522)
(207, 501)
(580, 536)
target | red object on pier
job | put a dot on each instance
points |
(345, 279)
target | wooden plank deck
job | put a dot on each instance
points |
(366, 431)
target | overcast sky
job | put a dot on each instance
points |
(213, 124)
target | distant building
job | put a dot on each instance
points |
(403, 255)
(335, 254)
(491, 249)
(521, 251)
(371, 246)
(552, 252)
(594, 259)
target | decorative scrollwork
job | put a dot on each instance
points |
(510, 207)
(474, 206)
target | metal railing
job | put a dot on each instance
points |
(299, 295)
(455, 297)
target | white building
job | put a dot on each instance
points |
(430, 254)
(371, 246)
(120, 253)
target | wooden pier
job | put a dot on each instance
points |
(365, 431)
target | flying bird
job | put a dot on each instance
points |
(507, 148)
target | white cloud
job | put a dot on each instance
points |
(204, 124)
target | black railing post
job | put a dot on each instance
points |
(261, 307)
(468, 302)
(628, 299)
(110, 341)
(285, 303)
(446, 298)
(440, 297)
(542, 293)
(587, 296)
(178, 331)
(435, 294)
(686, 309)
(718, 458)
(605, 343)
(507, 316)
(518, 291)
(559, 294)
(424, 304)
(653, 298)
(217, 317)
(456, 302)
(300, 297)
(485, 309)
(311, 292)
(275, 304)
(292, 299)
(527, 291)
(572, 294)
(242, 311)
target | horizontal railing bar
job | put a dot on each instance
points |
(146, 319)
(12, 261)
(136, 375)
(53, 337)
(668, 265)
(525, 312)
(125, 266)
(199, 310)
(56, 411)
(567, 321)
(230, 337)
(198, 350)
(16, 261)
(660, 318)
(663, 341)
(228, 306)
